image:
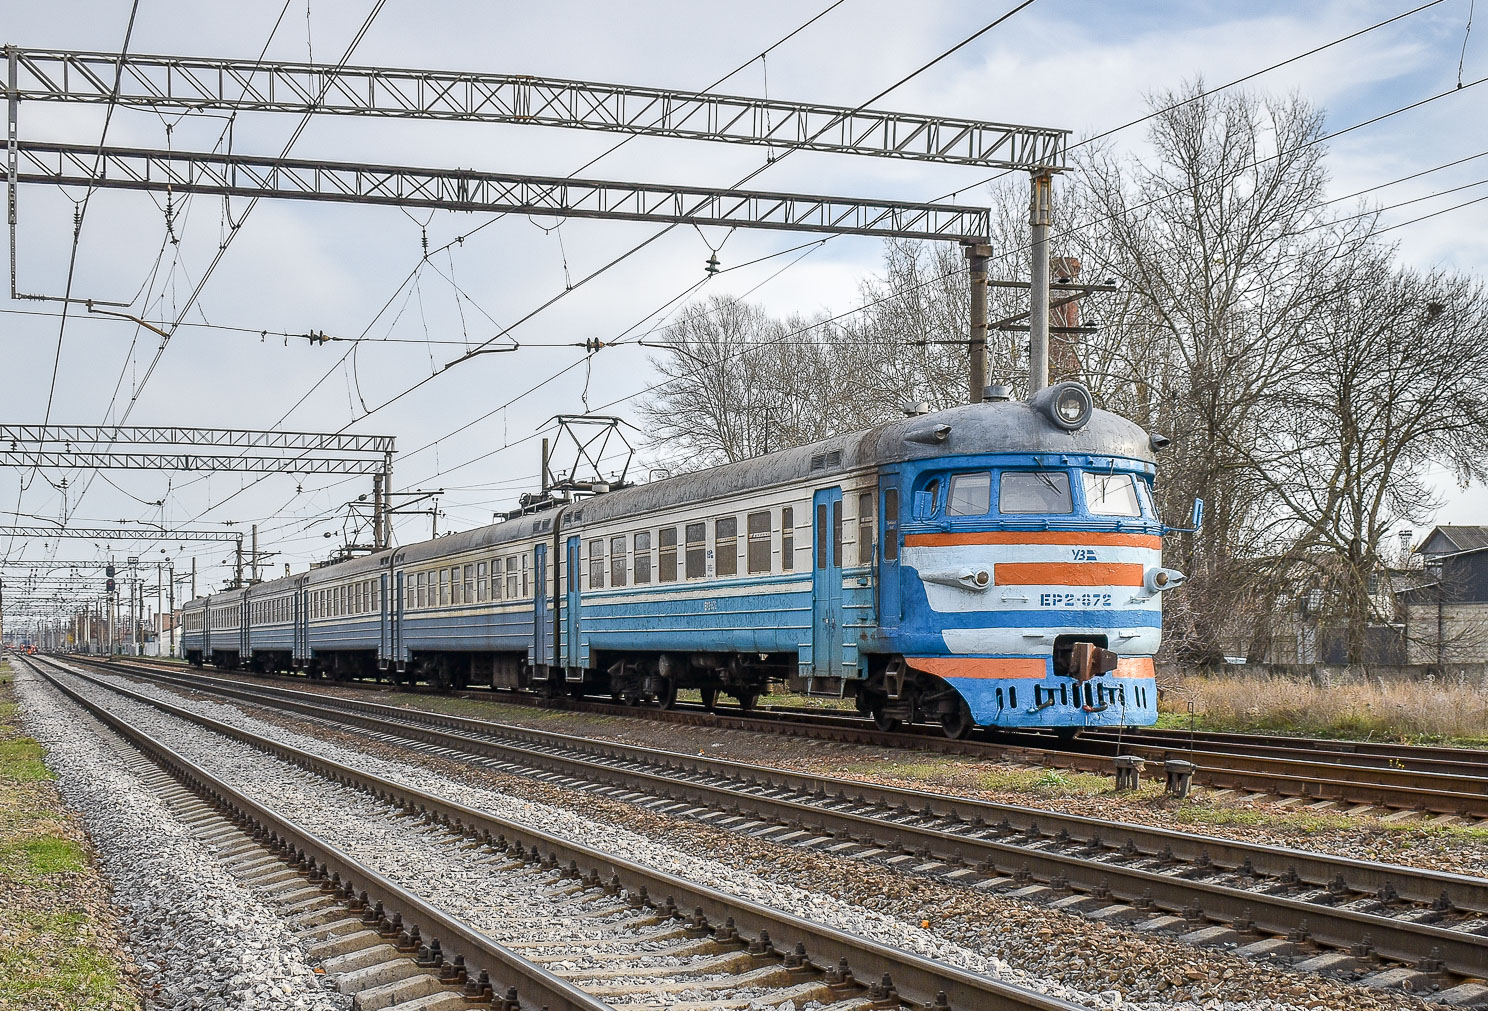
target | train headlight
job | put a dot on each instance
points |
(1159, 579)
(1070, 406)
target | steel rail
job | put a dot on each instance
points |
(914, 978)
(455, 936)
(1403, 789)
(1398, 939)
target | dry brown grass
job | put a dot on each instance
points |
(1451, 710)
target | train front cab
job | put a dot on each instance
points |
(1019, 590)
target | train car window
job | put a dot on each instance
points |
(865, 528)
(821, 536)
(1034, 491)
(421, 591)
(511, 577)
(596, 564)
(469, 584)
(480, 582)
(496, 579)
(787, 539)
(757, 525)
(443, 587)
(726, 546)
(666, 554)
(969, 494)
(837, 533)
(618, 558)
(456, 594)
(377, 595)
(526, 587)
(643, 557)
(1111, 495)
(891, 524)
(697, 550)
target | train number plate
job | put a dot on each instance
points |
(1074, 600)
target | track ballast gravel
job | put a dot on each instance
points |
(1094, 964)
(201, 939)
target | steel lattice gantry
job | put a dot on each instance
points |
(121, 534)
(469, 190)
(185, 82)
(144, 435)
(97, 447)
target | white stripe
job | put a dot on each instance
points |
(1038, 640)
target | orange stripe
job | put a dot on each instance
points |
(1080, 537)
(1067, 574)
(1134, 667)
(981, 667)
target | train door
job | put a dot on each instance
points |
(395, 609)
(573, 658)
(826, 583)
(888, 551)
(542, 650)
(384, 622)
(301, 630)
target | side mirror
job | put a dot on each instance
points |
(924, 505)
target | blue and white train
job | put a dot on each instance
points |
(997, 564)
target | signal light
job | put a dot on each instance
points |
(109, 571)
(110, 586)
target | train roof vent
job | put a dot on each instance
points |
(823, 461)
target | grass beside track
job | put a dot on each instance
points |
(56, 948)
(1445, 712)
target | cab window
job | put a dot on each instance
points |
(1111, 495)
(1034, 491)
(969, 494)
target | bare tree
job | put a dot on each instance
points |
(740, 383)
(1391, 383)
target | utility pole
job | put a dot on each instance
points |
(238, 565)
(170, 599)
(253, 567)
(377, 513)
(193, 577)
(976, 256)
(1040, 214)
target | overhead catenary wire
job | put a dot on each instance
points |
(1427, 5)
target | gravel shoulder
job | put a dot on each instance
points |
(1097, 964)
(59, 936)
(1411, 843)
(201, 939)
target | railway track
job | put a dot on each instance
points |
(1384, 925)
(637, 932)
(1445, 782)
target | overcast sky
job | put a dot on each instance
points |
(298, 266)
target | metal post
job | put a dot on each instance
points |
(377, 542)
(109, 631)
(170, 600)
(253, 565)
(12, 139)
(1040, 207)
(193, 577)
(976, 257)
(238, 565)
(545, 469)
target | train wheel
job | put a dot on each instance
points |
(710, 698)
(747, 701)
(667, 697)
(958, 725)
(883, 721)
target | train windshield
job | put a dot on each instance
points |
(1034, 491)
(1111, 495)
(970, 494)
